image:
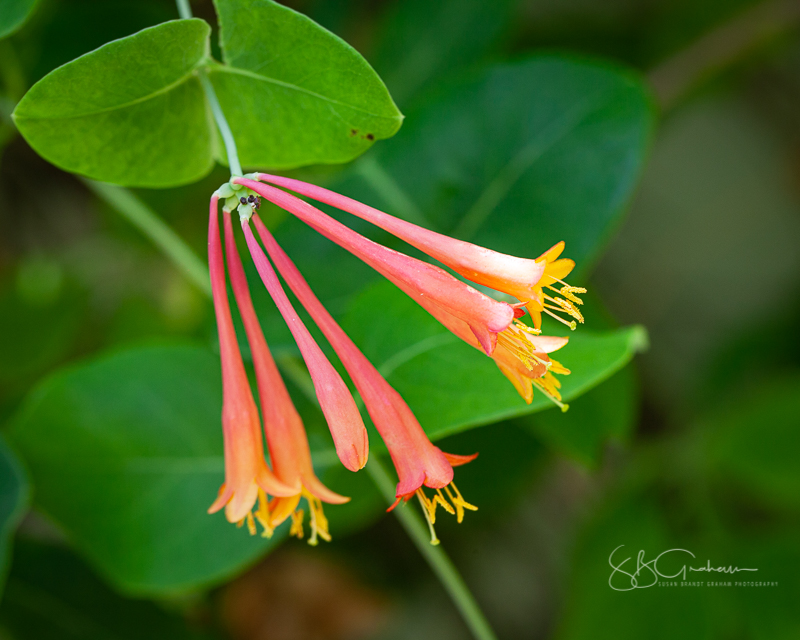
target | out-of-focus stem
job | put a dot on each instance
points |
(147, 221)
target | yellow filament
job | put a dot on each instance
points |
(262, 514)
(455, 506)
(549, 385)
(458, 501)
(515, 339)
(319, 523)
(297, 524)
(571, 325)
(424, 502)
(564, 306)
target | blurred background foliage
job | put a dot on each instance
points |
(695, 445)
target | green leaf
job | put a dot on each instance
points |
(451, 386)
(519, 158)
(13, 14)
(52, 594)
(607, 411)
(126, 455)
(132, 112)
(293, 92)
(753, 444)
(14, 497)
(421, 42)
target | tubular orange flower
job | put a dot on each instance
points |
(523, 278)
(247, 476)
(283, 427)
(485, 316)
(418, 462)
(338, 406)
(472, 316)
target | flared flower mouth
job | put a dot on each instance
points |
(495, 327)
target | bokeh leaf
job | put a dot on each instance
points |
(13, 14)
(14, 496)
(451, 386)
(126, 455)
(518, 158)
(422, 42)
(753, 444)
(131, 112)
(607, 411)
(294, 93)
(52, 594)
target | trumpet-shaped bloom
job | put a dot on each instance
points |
(283, 427)
(335, 400)
(247, 476)
(485, 316)
(523, 278)
(474, 317)
(418, 461)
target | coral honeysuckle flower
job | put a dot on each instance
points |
(337, 404)
(485, 316)
(247, 477)
(283, 427)
(417, 460)
(472, 316)
(523, 278)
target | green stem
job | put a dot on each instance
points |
(222, 125)
(148, 222)
(185, 12)
(438, 560)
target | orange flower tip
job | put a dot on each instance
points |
(519, 312)
(457, 460)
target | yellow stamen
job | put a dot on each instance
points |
(456, 508)
(515, 339)
(319, 523)
(297, 524)
(572, 325)
(424, 502)
(262, 514)
(564, 306)
(549, 385)
(251, 523)
(459, 502)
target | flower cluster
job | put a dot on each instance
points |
(493, 326)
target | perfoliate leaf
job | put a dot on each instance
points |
(293, 92)
(126, 454)
(132, 112)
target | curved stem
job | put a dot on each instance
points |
(147, 221)
(185, 12)
(436, 557)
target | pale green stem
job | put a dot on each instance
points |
(419, 533)
(185, 12)
(436, 557)
(148, 222)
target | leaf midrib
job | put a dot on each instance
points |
(150, 96)
(294, 87)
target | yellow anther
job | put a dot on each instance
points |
(319, 523)
(515, 339)
(458, 501)
(251, 524)
(262, 514)
(297, 524)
